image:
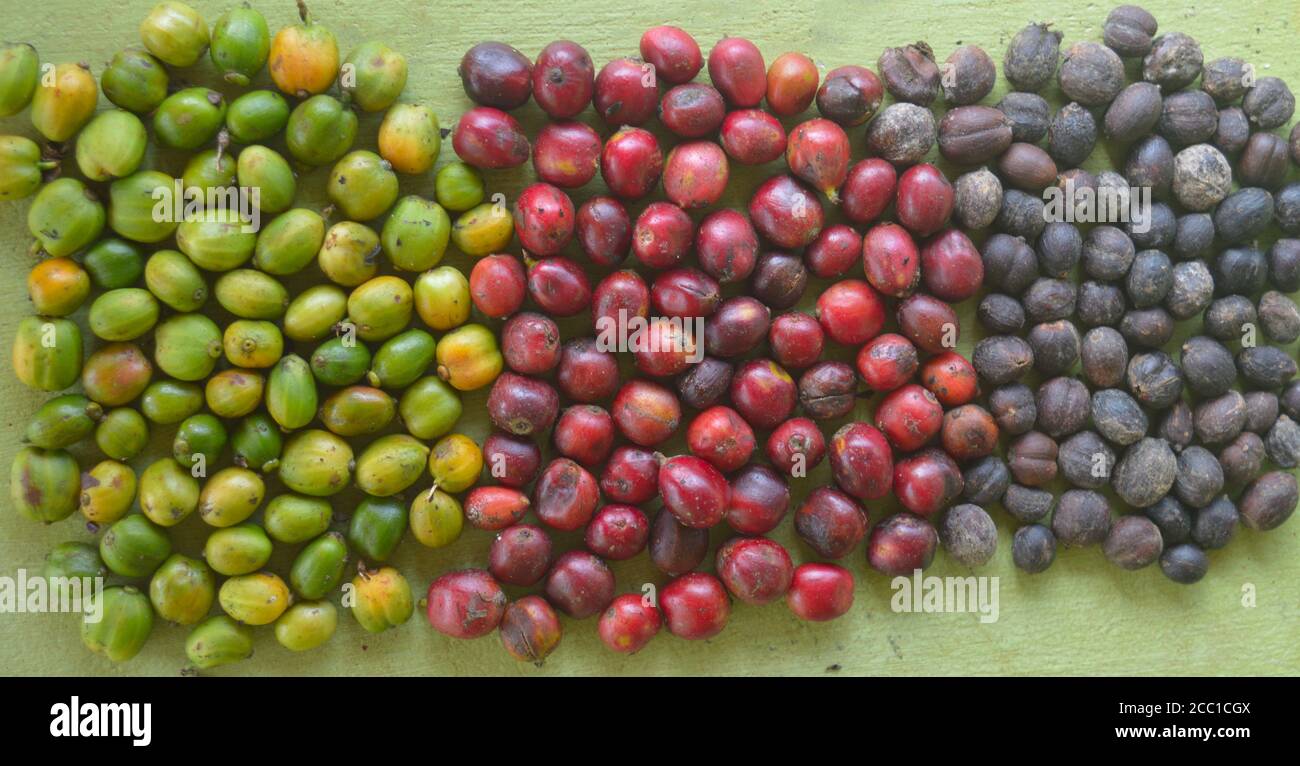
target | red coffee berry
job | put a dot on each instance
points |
(726, 246)
(891, 260)
(795, 447)
(752, 137)
(624, 95)
(820, 592)
(909, 416)
(902, 544)
(563, 79)
(693, 491)
(498, 285)
(631, 163)
(738, 326)
(695, 174)
(566, 154)
(666, 348)
(925, 199)
(834, 251)
(759, 500)
(755, 570)
(544, 219)
(676, 549)
(495, 74)
(530, 629)
(685, 292)
(868, 190)
(818, 152)
(646, 413)
(851, 312)
(629, 623)
(951, 378)
(791, 84)
(695, 606)
(763, 393)
(969, 432)
(511, 460)
(617, 532)
(861, 461)
(736, 69)
(631, 476)
(559, 286)
(722, 437)
(831, 523)
(786, 212)
(495, 507)
(530, 343)
(465, 604)
(951, 266)
(585, 433)
(662, 235)
(693, 110)
(796, 340)
(522, 406)
(586, 373)
(887, 361)
(673, 52)
(929, 323)
(489, 138)
(927, 482)
(622, 291)
(604, 230)
(520, 555)
(566, 495)
(580, 584)
(850, 95)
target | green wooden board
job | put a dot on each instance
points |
(1083, 617)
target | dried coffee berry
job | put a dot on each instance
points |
(1220, 419)
(1242, 460)
(968, 75)
(1214, 525)
(977, 199)
(1032, 57)
(902, 133)
(910, 73)
(1086, 461)
(1269, 103)
(1014, 408)
(1129, 31)
(1145, 473)
(1191, 290)
(1028, 504)
(1225, 79)
(1118, 417)
(1185, 564)
(1172, 519)
(1033, 548)
(1133, 542)
(1200, 477)
(1091, 74)
(1100, 304)
(969, 535)
(985, 481)
(1174, 61)
(1269, 501)
(1032, 459)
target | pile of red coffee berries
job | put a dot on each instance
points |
(763, 379)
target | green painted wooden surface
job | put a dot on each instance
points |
(1082, 617)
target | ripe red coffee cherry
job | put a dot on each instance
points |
(559, 286)
(887, 361)
(910, 417)
(580, 584)
(495, 507)
(629, 623)
(736, 69)
(666, 348)
(662, 235)
(951, 266)
(530, 629)
(868, 190)
(752, 137)
(544, 219)
(737, 327)
(563, 79)
(694, 491)
(763, 393)
(495, 74)
(465, 604)
(685, 292)
(498, 285)
(511, 460)
(585, 433)
(673, 52)
(759, 500)
(929, 323)
(831, 523)
(726, 246)
(693, 110)
(585, 373)
(646, 413)
(969, 432)
(796, 340)
(530, 343)
(851, 312)
(951, 378)
(861, 461)
(818, 152)
(891, 260)
(631, 476)
(722, 437)
(566, 154)
(617, 532)
(631, 163)
(755, 570)
(695, 174)
(791, 84)
(522, 406)
(925, 199)
(901, 544)
(695, 606)
(566, 495)
(604, 230)
(820, 592)
(624, 94)
(796, 447)
(520, 555)
(621, 294)
(489, 138)
(850, 95)
(786, 212)
(927, 482)
(834, 251)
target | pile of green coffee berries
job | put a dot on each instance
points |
(196, 332)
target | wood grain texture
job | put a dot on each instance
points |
(1082, 617)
